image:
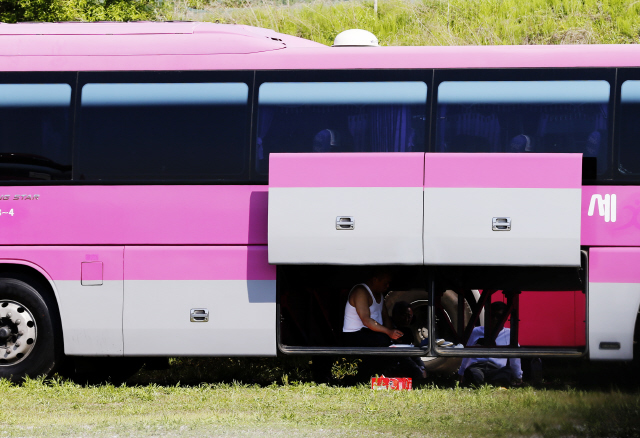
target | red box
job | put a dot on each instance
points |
(397, 384)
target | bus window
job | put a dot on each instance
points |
(339, 117)
(163, 132)
(524, 116)
(630, 128)
(34, 132)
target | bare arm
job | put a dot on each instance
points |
(361, 300)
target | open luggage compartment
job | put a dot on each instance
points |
(546, 308)
(312, 301)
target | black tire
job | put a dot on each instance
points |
(46, 351)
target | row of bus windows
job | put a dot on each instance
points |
(200, 131)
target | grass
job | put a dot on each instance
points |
(57, 408)
(433, 22)
(577, 399)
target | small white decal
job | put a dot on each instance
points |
(606, 206)
(10, 212)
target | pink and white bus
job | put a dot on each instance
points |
(196, 189)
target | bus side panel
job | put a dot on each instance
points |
(345, 208)
(164, 285)
(88, 282)
(614, 300)
(468, 195)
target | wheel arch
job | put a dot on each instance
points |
(29, 269)
(38, 278)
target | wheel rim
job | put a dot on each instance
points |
(18, 332)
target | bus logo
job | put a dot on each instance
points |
(606, 206)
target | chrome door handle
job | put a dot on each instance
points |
(345, 223)
(501, 224)
(199, 315)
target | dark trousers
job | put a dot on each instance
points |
(487, 372)
(391, 366)
(365, 338)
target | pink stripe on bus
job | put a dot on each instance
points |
(614, 265)
(198, 263)
(479, 170)
(346, 170)
(134, 215)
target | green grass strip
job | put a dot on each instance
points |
(61, 408)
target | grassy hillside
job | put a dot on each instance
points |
(397, 22)
(433, 22)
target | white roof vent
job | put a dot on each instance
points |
(355, 38)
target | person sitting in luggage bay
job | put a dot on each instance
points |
(494, 371)
(366, 322)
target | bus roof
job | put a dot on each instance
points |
(208, 46)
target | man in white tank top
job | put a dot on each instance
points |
(366, 322)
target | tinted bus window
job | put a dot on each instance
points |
(524, 116)
(340, 117)
(163, 132)
(34, 132)
(629, 158)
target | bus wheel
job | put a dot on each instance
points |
(27, 332)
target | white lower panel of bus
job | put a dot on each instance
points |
(91, 317)
(241, 318)
(544, 226)
(382, 225)
(613, 309)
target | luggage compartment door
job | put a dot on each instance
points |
(502, 209)
(346, 208)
